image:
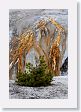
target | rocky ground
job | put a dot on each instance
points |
(57, 90)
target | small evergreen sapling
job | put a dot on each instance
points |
(37, 76)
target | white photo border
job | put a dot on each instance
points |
(71, 102)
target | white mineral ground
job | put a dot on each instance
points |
(58, 89)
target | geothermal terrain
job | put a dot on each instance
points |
(57, 90)
(19, 20)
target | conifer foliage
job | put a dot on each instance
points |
(37, 76)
